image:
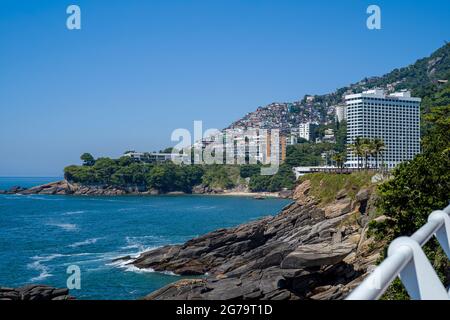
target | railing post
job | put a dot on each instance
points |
(443, 233)
(418, 276)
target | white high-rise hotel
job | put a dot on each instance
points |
(394, 118)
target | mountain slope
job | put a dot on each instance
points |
(426, 76)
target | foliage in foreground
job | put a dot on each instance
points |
(417, 188)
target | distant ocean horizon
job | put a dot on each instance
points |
(7, 182)
(40, 236)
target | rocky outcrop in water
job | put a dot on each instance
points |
(307, 251)
(34, 292)
(13, 190)
(67, 188)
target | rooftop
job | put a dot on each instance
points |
(403, 95)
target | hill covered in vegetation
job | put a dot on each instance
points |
(424, 77)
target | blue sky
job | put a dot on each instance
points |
(139, 69)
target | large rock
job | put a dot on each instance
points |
(338, 208)
(316, 255)
(34, 292)
(363, 195)
(285, 194)
(67, 188)
(341, 194)
(287, 256)
(301, 192)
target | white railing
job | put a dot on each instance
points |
(407, 260)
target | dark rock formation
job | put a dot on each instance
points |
(286, 194)
(202, 189)
(13, 190)
(34, 292)
(305, 252)
(67, 188)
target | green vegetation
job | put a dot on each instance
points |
(164, 177)
(365, 148)
(247, 171)
(419, 77)
(306, 154)
(221, 176)
(325, 186)
(418, 187)
(168, 177)
(88, 159)
(310, 154)
(283, 179)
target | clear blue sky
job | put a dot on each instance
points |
(139, 69)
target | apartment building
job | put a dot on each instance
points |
(394, 118)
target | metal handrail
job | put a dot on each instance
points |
(407, 260)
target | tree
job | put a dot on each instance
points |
(218, 176)
(249, 170)
(125, 161)
(161, 178)
(358, 149)
(378, 148)
(367, 150)
(104, 168)
(88, 159)
(438, 137)
(340, 159)
(416, 189)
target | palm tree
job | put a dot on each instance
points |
(366, 149)
(339, 158)
(357, 149)
(378, 148)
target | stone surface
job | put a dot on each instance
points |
(316, 255)
(338, 208)
(305, 252)
(301, 192)
(363, 195)
(34, 292)
(286, 194)
(341, 194)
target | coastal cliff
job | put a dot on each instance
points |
(310, 250)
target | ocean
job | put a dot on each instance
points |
(41, 236)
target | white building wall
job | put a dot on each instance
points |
(305, 131)
(393, 118)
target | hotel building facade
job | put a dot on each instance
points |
(394, 118)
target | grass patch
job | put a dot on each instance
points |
(325, 186)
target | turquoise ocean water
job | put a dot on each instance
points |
(40, 236)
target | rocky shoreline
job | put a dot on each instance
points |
(307, 251)
(34, 292)
(65, 187)
(310, 250)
